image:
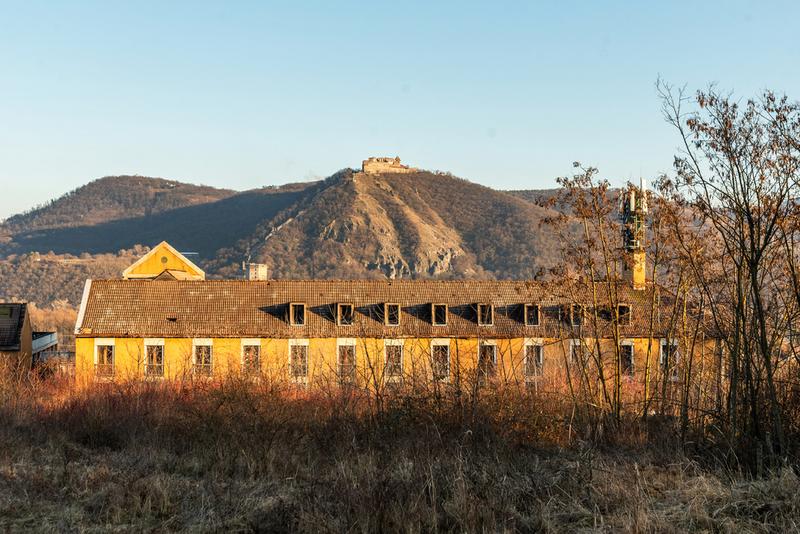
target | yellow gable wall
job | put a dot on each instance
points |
(129, 356)
(154, 264)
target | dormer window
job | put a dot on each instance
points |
(297, 314)
(391, 314)
(576, 315)
(344, 314)
(439, 314)
(485, 314)
(624, 314)
(531, 315)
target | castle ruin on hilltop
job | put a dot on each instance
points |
(384, 165)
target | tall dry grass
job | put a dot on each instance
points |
(259, 456)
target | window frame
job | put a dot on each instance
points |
(575, 342)
(490, 308)
(493, 372)
(539, 365)
(386, 313)
(105, 342)
(573, 315)
(440, 342)
(292, 318)
(346, 342)
(433, 314)
(299, 379)
(632, 370)
(661, 360)
(629, 316)
(393, 343)
(153, 342)
(200, 369)
(525, 309)
(250, 342)
(339, 306)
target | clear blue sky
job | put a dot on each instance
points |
(245, 94)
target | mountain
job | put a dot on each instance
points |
(352, 224)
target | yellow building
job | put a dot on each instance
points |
(366, 333)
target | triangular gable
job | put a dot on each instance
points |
(163, 257)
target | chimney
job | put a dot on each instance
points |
(633, 210)
(255, 271)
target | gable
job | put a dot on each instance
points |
(161, 258)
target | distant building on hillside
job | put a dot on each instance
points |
(385, 165)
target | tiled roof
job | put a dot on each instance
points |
(237, 308)
(12, 319)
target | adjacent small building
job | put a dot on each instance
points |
(16, 336)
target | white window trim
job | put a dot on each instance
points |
(339, 313)
(671, 341)
(386, 313)
(247, 342)
(491, 309)
(394, 343)
(291, 315)
(105, 341)
(489, 343)
(153, 342)
(573, 343)
(630, 343)
(446, 313)
(538, 314)
(533, 342)
(346, 342)
(572, 315)
(300, 343)
(202, 342)
(442, 342)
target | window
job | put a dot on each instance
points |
(440, 360)
(298, 360)
(347, 361)
(669, 358)
(5, 311)
(576, 314)
(487, 361)
(154, 357)
(391, 314)
(575, 351)
(203, 357)
(531, 315)
(297, 314)
(626, 358)
(534, 360)
(439, 314)
(104, 357)
(624, 314)
(394, 360)
(251, 356)
(345, 314)
(485, 314)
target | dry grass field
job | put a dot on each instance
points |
(239, 456)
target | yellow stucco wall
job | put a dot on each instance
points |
(323, 359)
(153, 264)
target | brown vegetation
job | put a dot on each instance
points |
(257, 456)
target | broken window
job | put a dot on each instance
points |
(345, 314)
(298, 363)
(534, 360)
(391, 314)
(297, 314)
(394, 361)
(487, 361)
(440, 362)
(669, 358)
(626, 359)
(576, 351)
(485, 314)
(439, 314)
(203, 360)
(624, 314)
(347, 364)
(105, 360)
(531, 315)
(251, 359)
(154, 363)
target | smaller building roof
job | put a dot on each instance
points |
(12, 320)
